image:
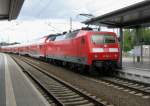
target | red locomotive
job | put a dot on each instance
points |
(80, 48)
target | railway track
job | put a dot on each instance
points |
(61, 93)
(133, 87)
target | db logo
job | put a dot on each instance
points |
(105, 45)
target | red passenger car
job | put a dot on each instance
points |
(80, 48)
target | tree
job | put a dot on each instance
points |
(130, 39)
(146, 36)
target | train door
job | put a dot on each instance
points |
(82, 49)
(49, 46)
(42, 50)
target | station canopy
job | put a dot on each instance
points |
(9, 9)
(129, 17)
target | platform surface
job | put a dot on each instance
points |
(128, 62)
(136, 71)
(15, 88)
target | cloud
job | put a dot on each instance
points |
(42, 17)
(24, 31)
(63, 9)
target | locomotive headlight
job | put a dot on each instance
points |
(115, 55)
(95, 56)
(98, 50)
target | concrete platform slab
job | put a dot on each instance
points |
(2, 81)
(134, 74)
(143, 66)
(17, 90)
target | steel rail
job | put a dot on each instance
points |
(76, 90)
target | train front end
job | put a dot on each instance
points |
(104, 49)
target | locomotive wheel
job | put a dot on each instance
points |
(71, 66)
(82, 69)
(92, 70)
(100, 70)
(59, 63)
(64, 63)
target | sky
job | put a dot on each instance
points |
(41, 17)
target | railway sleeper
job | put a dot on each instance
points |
(77, 102)
(57, 90)
(55, 86)
(146, 88)
(61, 92)
(73, 99)
(67, 94)
(68, 97)
(84, 101)
(89, 104)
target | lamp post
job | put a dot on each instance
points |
(70, 24)
(81, 14)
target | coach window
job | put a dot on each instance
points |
(71, 35)
(67, 35)
(61, 37)
(52, 38)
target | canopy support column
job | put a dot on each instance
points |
(121, 45)
(139, 43)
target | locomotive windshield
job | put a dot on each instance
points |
(102, 39)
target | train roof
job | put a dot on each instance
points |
(58, 36)
(16, 45)
(92, 31)
(33, 42)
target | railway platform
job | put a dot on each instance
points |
(136, 71)
(15, 88)
(129, 63)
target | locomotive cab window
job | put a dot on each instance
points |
(102, 39)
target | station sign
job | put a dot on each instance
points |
(137, 51)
